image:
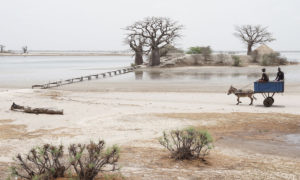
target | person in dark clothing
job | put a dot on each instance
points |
(264, 77)
(280, 75)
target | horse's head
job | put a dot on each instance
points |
(230, 90)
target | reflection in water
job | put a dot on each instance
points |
(155, 75)
(160, 75)
(205, 75)
(138, 75)
(198, 76)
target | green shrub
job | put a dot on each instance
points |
(87, 166)
(46, 162)
(205, 51)
(273, 59)
(236, 60)
(40, 163)
(132, 64)
(187, 143)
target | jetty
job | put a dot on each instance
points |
(84, 78)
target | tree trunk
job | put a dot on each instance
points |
(138, 58)
(249, 49)
(155, 57)
(15, 107)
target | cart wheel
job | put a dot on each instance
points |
(268, 101)
(272, 100)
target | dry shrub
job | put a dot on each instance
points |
(96, 160)
(40, 163)
(45, 163)
(273, 59)
(221, 59)
(187, 143)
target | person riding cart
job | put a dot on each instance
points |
(280, 75)
(264, 76)
(268, 89)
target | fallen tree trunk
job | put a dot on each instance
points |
(15, 107)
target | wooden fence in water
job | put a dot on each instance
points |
(83, 78)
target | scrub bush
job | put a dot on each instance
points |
(187, 143)
(236, 61)
(87, 166)
(40, 163)
(273, 59)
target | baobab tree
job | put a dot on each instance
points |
(2, 48)
(158, 32)
(136, 43)
(252, 35)
(25, 49)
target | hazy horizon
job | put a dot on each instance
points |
(97, 25)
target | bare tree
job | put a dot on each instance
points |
(158, 33)
(252, 35)
(25, 49)
(2, 48)
(136, 43)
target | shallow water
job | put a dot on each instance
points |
(291, 56)
(23, 72)
(213, 75)
(41, 69)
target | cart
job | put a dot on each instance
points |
(268, 90)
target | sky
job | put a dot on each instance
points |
(97, 24)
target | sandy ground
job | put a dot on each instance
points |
(251, 142)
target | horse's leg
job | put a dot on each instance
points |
(238, 100)
(251, 100)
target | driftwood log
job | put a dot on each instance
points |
(15, 107)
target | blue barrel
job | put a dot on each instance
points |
(265, 87)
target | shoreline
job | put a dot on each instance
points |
(64, 54)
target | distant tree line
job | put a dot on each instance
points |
(2, 49)
(151, 36)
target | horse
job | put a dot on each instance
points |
(241, 93)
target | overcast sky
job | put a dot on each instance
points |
(97, 24)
